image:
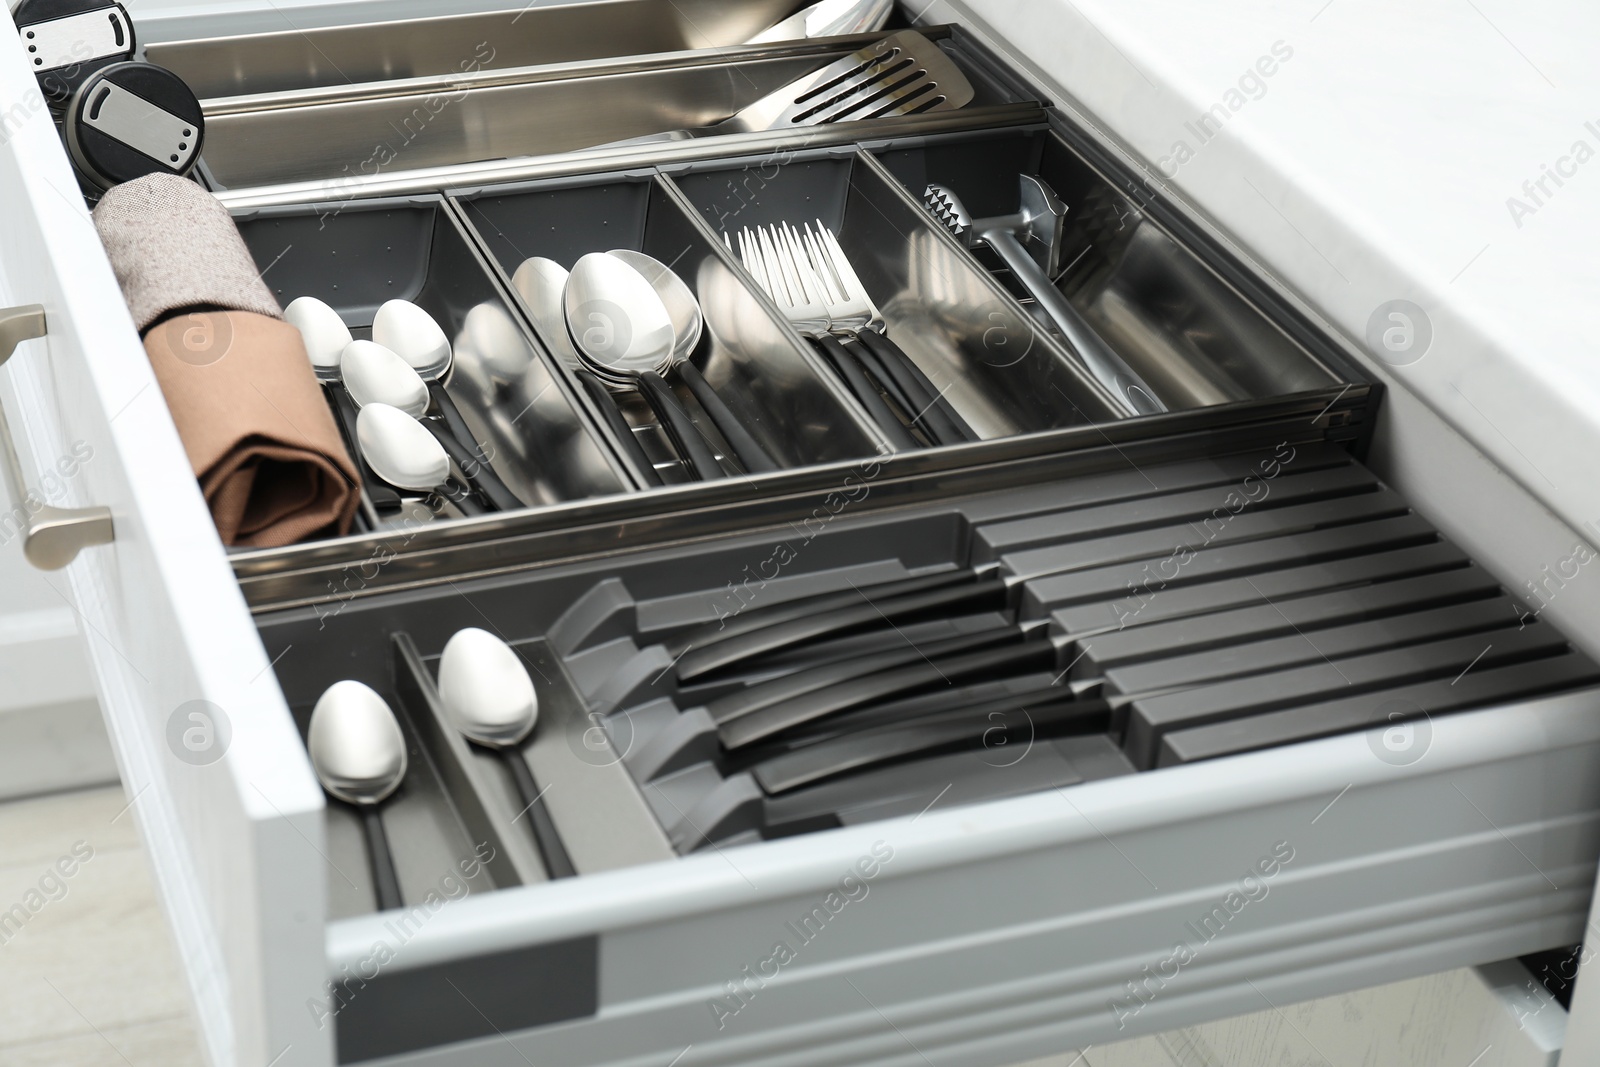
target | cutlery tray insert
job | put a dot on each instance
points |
(993, 364)
(357, 255)
(1192, 336)
(1113, 622)
(472, 115)
(768, 380)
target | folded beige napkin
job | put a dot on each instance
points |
(258, 432)
(242, 393)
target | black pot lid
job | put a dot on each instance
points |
(68, 40)
(132, 119)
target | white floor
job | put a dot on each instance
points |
(88, 978)
(91, 978)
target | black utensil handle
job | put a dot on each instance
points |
(865, 612)
(853, 376)
(552, 853)
(947, 422)
(691, 446)
(461, 496)
(619, 426)
(752, 457)
(869, 362)
(382, 495)
(759, 618)
(385, 882)
(1000, 727)
(475, 467)
(807, 679)
(446, 407)
(834, 699)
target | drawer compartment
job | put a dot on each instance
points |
(987, 358)
(249, 64)
(1299, 561)
(356, 256)
(507, 114)
(1191, 335)
(772, 385)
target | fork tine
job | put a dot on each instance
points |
(839, 290)
(791, 270)
(777, 284)
(819, 284)
(841, 262)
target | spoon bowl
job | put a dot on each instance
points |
(375, 375)
(399, 449)
(682, 307)
(355, 743)
(486, 689)
(541, 282)
(323, 331)
(412, 334)
(618, 324)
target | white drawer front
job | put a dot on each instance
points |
(232, 837)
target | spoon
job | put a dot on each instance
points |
(404, 454)
(412, 334)
(487, 691)
(375, 375)
(540, 282)
(359, 755)
(623, 333)
(688, 324)
(325, 336)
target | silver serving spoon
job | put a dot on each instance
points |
(359, 755)
(623, 333)
(403, 453)
(541, 282)
(486, 690)
(375, 375)
(688, 325)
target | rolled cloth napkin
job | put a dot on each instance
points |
(259, 435)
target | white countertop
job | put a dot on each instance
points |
(1374, 164)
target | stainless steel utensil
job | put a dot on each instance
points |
(624, 334)
(403, 453)
(829, 18)
(374, 374)
(325, 336)
(689, 325)
(487, 691)
(902, 74)
(853, 302)
(541, 282)
(359, 755)
(1029, 241)
(795, 289)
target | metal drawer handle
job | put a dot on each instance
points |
(53, 536)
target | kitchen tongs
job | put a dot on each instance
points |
(902, 74)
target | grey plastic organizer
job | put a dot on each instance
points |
(1311, 602)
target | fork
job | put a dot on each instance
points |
(796, 290)
(852, 310)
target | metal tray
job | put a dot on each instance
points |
(356, 256)
(241, 64)
(351, 133)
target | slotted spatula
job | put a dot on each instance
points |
(902, 74)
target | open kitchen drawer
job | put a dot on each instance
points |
(986, 934)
